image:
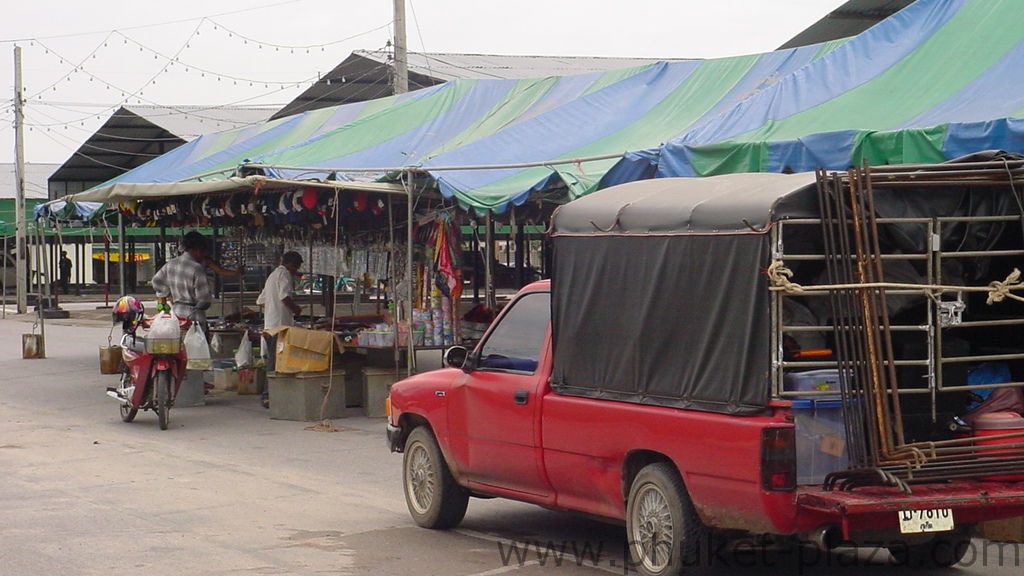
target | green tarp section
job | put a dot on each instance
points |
(938, 80)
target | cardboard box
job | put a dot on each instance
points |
(1007, 530)
(300, 396)
(301, 350)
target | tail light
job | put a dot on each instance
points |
(778, 459)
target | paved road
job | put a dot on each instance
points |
(227, 491)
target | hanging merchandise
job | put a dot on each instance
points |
(437, 277)
(243, 356)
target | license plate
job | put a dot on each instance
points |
(918, 521)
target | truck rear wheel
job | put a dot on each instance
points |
(663, 530)
(942, 551)
(434, 498)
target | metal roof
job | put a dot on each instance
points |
(366, 74)
(134, 135)
(36, 175)
(850, 19)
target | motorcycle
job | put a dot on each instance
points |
(153, 365)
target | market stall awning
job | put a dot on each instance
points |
(128, 191)
(66, 209)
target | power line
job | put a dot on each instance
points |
(423, 45)
(52, 136)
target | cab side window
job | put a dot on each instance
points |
(515, 343)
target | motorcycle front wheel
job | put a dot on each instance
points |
(163, 397)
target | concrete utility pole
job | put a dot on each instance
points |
(19, 176)
(401, 50)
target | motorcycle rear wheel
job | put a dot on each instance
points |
(163, 397)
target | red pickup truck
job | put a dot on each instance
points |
(645, 384)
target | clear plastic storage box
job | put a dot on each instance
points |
(820, 439)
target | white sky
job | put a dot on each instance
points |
(82, 59)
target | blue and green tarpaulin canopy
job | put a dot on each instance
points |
(938, 80)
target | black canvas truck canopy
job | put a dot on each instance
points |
(659, 291)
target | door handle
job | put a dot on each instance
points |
(521, 396)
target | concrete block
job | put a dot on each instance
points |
(376, 386)
(299, 396)
(251, 380)
(192, 391)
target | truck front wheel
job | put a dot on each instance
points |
(434, 498)
(663, 530)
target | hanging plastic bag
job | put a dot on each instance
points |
(243, 356)
(216, 344)
(197, 349)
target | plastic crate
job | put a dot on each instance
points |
(812, 381)
(820, 439)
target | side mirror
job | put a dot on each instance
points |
(455, 357)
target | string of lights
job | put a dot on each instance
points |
(173, 60)
(62, 121)
(170, 61)
(127, 96)
(194, 111)
(293, 48)
(75, 67)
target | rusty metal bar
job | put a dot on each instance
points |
(889, 357)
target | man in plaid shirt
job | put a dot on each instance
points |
(183, 280)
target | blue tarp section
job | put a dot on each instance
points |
(938, 80)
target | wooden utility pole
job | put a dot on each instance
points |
(401, 50)
(19, 177)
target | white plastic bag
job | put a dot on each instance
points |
(197, 349)
(243, 356)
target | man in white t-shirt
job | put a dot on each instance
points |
(279, 309)
(276, 298)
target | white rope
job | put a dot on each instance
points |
(997, 291)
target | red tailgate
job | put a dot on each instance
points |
(877, 507)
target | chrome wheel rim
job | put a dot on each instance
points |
(653, 533)
(421, 482)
